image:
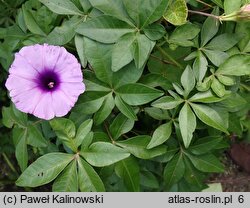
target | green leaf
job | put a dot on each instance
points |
(98, 56)
(125, 109)
(174, 170)
(167, 102)
(102, 154)
(192, 175)
(128, 170)
(205, 97)
(149, 180)
(223, 42)
(157, 113)
(67, 181)
(237, 65)
(7, 114)
(87, 140)
(64, 33)
(85, 5)
(210, 117)
(35, 137)
(206, 163)
(122, 51)
(105, 109)
(94, 84)
(65, 130)
(177, 12)
(128, 74)
(142, 48)
(218, 88)
(104, 28)
(188, 80)
(80, 47)
(232, 6)
(65, 7)
(183, 35)
(216, 57)
(209, 28)
(120, 126)
(160, 135)
(137, 146)
(21, 152)
(187, 122)
(204, 145)
(83, 131)
(200, 66)
(44, 169)
(31, 22)
(143, 12)
(156, 80)
(137, 94)
(154, 32)
(226, 80)
(112, 7)
(90, 102)
(88, 179)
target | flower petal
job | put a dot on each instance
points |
(43, 109)
(17, 85)
(22, 68)
(61, 103)
(34, 56)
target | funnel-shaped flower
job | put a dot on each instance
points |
(45, 81)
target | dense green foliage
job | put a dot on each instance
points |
(166, 90)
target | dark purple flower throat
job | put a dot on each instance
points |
(48, 80)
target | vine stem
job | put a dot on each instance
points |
(9, 163)
(205, 14)
(206, 4)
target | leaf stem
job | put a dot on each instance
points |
(205, 14)
(164, 53)
(108, 132)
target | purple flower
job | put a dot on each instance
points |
(45, 81)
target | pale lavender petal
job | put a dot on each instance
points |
(73, 89)
(52, 55)
(17, 85)
(43, 109)
(27, 100)
(34, 56)
(61, 103)
(22, 68)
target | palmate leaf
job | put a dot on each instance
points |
(138, 94)
(112, 7)
(160, 135)
(206, 163)
(187, 122)
(210, 117)
(67, 181)
(105, 29)
(128, 169)
(101, 154)
(88, 179)
(138, 147)
(44, 169)
(144, 12)
(62, 7)
(174, 170)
